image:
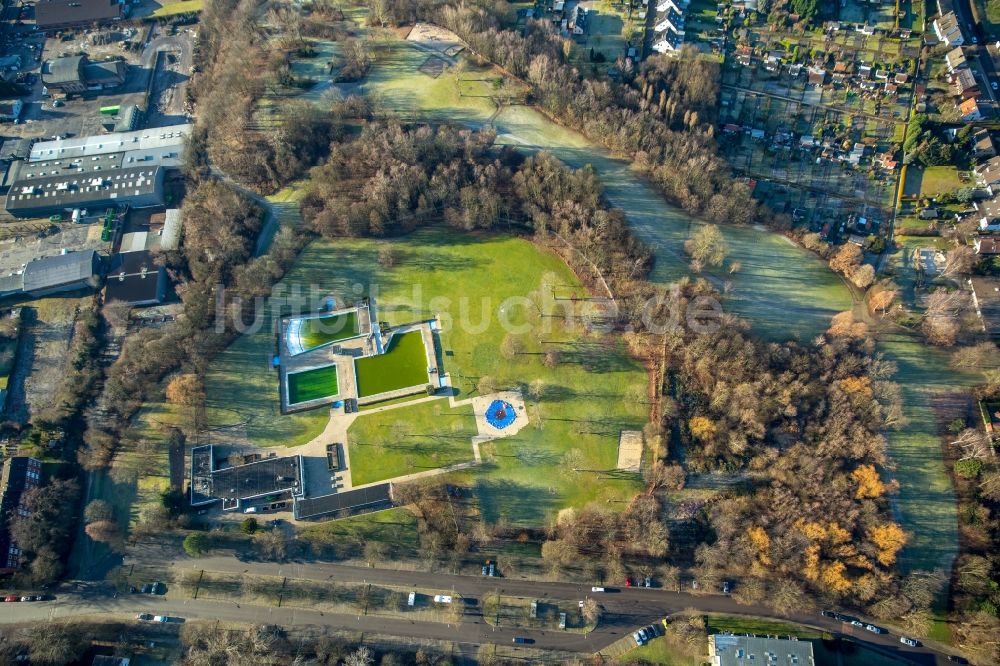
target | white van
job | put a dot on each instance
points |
(250, 509)
(597, 589)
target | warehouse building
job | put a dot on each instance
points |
(165, 142)
(55, 14)
(135, 279)
(40, 193)
(76, 74)
(71, 271)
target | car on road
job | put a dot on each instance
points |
(829, 614)
(442, 598)
(993, 84)
(725, 587)
(628, 581)
(10, 598)
(912, 642)
(522, 640)
(637, 637)
(144, 617)
(857, 623)
(875, 630)
(597, 589)
(956, 659)
(648, 582)
(27, 598)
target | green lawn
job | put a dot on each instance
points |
(403, 364)
(395, 527)
(317, 331)
(659, 651)
(931, 181)
(594, 392)
(312, 384)
(410, 439)
(182, 7)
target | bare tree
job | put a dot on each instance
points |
(973, 444)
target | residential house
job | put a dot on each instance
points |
(964, 84)
(864, 71)
(881, 75)
(900, 78)
(891, 88)
(840, 72)
(817, 76)
(982, 146)
(947, 30)
(987, 246)
(955, 59)
(988, 175)
(772, 62)
(968, 111)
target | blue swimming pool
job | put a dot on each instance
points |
(500, 414)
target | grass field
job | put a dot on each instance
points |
(396, 527)
(182, 7)
(930, 181)
(410, 439)
(312, 384)
(317, 331)
(403, 364)
(593, 393)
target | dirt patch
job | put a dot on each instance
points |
(630, 450)
(436, 38)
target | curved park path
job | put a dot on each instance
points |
(783, 290)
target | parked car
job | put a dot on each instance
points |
(829, 614)
(725, 587)
(912, 642)
(637, 637)
(956, 659)
(144, 617)
(442, 598)
(11, 598)
(857, 623)
(522, 640)
(648, 582)
(628, 581)
(27, 598)
(875, 630)
(597, 589)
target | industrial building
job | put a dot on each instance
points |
(134, 277)
(64, 272)
(76, 74)
(38, 192)
(160, 230)
(162, 144)
(730, 650)
(54, 14)
(20, 474)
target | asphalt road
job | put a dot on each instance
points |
(623, 609)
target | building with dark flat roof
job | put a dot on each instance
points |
(277, 478)
(40, 192)
(135, 278)
(20, 474)
(63, 272)
(54, 14)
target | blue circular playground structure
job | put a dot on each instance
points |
(500, 414)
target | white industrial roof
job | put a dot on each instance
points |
(155, 138)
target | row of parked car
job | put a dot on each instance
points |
(10, 598)
(647, 633)
(875, 629)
